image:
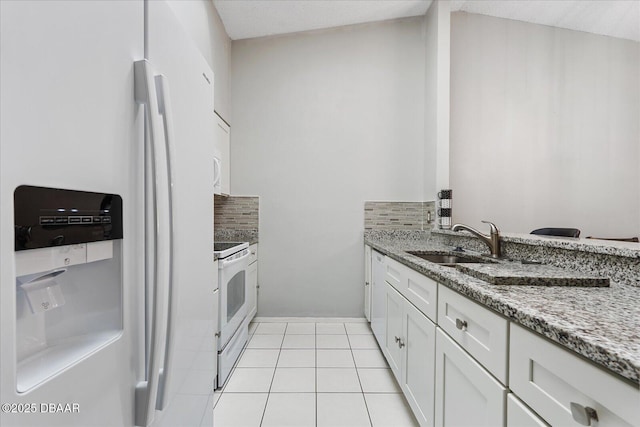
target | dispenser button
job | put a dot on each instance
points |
(62, 220)
(74, 219)
(97, 219)
(106, 219)
(46, 220)
(87, 219)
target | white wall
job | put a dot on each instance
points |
(544, 127)
(201, 21)
(323, 121)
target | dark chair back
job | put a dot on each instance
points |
(561, 232)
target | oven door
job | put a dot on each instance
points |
(233, 295)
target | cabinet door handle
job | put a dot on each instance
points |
(583, 414)
(366, 283)
(461, 324)
(397, 339)
(400, 343)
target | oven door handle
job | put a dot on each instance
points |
(228, 263)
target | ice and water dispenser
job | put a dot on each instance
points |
(69, 291)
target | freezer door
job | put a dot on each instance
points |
(69, 121)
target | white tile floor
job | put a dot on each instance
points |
(329, 374)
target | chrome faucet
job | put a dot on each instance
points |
(492, 240)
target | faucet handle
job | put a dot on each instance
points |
(494, 229)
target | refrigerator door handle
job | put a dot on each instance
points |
(164, 107)
(145, 94)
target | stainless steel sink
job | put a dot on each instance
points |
(447, 260)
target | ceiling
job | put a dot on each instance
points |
(258, 18)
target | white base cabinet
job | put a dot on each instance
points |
(410, 350)
(466, 394)
(518, 415)
(418, 369)
(378, 297)
(252, 283)
(478, 330)
(393, 344)
(367, 282)
(455, 359)
(563, 389)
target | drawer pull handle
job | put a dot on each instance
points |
(583, 414)
(461, 324)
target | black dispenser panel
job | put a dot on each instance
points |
(46, 217)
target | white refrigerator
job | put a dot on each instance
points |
(107, 97)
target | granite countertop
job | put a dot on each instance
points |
(224, 235)
(599, 323)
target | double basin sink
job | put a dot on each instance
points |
(511, 272)
(448, 260)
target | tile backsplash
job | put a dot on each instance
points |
(399, 215)
(235, 213)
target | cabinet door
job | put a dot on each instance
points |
(418, 370)
(466, 394)
(252, 290)
(394, 340)
(378, 297)
(518, 415)
(223, 148)
(367, 282)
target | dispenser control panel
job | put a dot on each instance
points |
(47, 217)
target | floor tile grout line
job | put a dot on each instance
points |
(360, 381)
(266, 403)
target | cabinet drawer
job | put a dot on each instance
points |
(253, 253)
(420, 290)
(549, 379)
(395, 273)
(478, 330)
(518, 415)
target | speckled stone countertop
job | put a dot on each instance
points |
(601, 324)
(223, 235)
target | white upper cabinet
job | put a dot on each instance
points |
(222, 155)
